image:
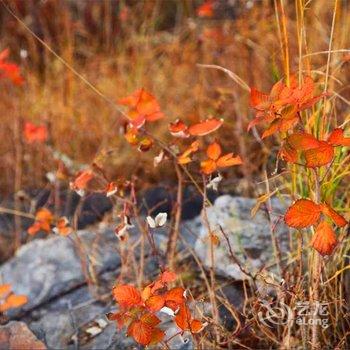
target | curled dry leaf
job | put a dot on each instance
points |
(179, 129)
(158, 221)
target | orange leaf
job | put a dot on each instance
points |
(179, 129)
(82, 180)
(259, 100)
(320, 156)
(302, 141)
(168, 276)
(35, 133)
(288, 154)
(155, 302)
(13, 301)
(175, 295)
(332, 214)
(196, 326)
(208, 166)
(183, 318)
(205, 127)
(206, 9)
(324, 240)
(185, 158)
(150, 319)
(142, 104)
(127, 295)
(302, 213)
(337, 138)
(228, 160)
(4, 290)
(62, 227)
(214, 151)
(141, 332)
(157, 336)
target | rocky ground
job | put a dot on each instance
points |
(64, 311)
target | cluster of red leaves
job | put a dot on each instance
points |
(143, 107)
(44, 219)
(281, 110)
(304, 213)
(281, 107)
(9, 70)
(10, 300)
(315, 152)
(35, 133)
(138, 309)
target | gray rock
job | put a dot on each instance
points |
(46, 268)
(250, 238)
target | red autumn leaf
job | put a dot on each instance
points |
(127, 296)
(168, 276)
(185, 158)
(259, 100)
(81, 181)
(302, 213)
(282, 124)
(121, 318)
(179, 129)
(302, 141)
(35, 133)
(324, 240)
(228, 160)
(214, 160)
(320, 156)
(332, 214)
(214, 151)
(9, 70)
(155, 302)
(157, 336)
(150, 319)
(176, 295)
(205, 127)
(5, 289)
(141, 332)
(143, 106)
(43, 221)
(288, 153)
(337, 138)
(183, 318)
(13, 301)
(206, 9)
(196, 326)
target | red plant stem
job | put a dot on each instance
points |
(174, 233)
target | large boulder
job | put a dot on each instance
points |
(249, 237)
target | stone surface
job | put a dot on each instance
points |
(16, 336)
(250, 238)
(46, 268)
